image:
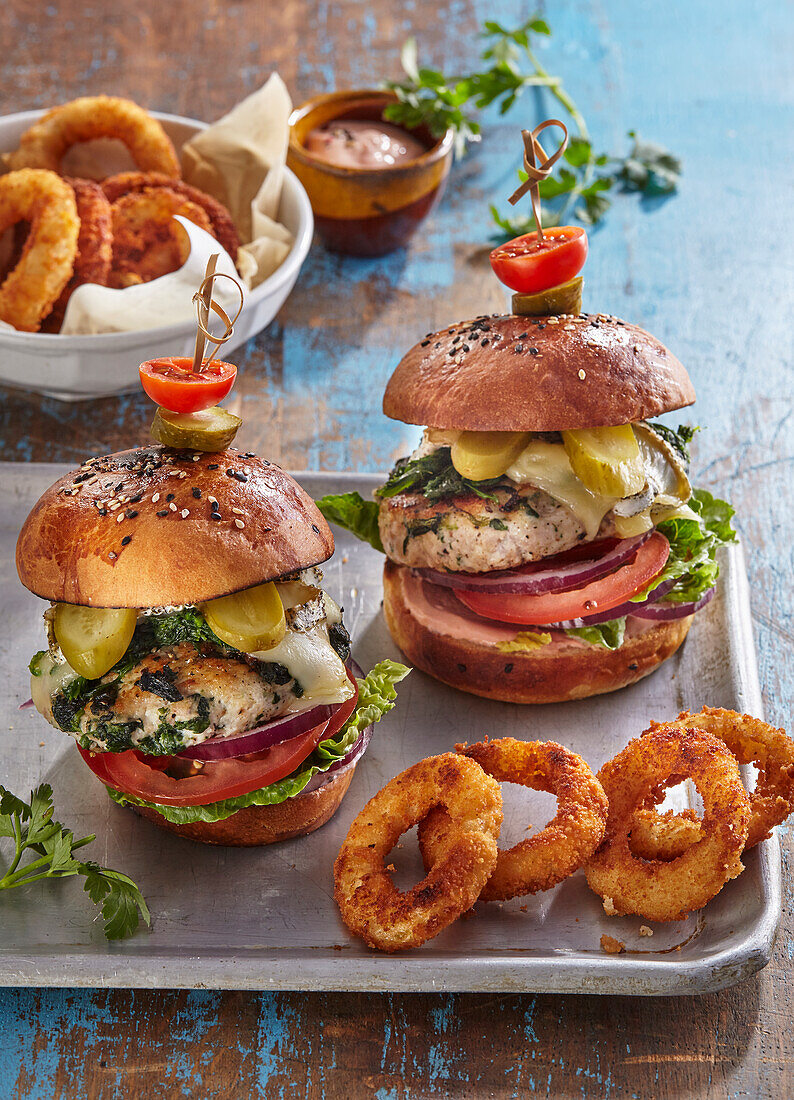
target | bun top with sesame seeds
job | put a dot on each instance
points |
(153, 527)
(536, 374)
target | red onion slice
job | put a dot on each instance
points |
(24, 706)
(341, 766)
(561, 579)
(661, 611)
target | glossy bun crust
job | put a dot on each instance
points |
(258, 825)
(167, 549)
(543, 676)
(512, 373)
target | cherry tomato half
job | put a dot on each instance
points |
(555, 607)
(528, 264)
(171, 382)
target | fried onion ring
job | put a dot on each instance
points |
(45, 266)
(370, 904)
(147, 242)
(94, 246)
(657, 890)
(564, 845)
(126, 183)
(665, 836)
(45, 143)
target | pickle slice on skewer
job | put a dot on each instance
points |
(565, 298)
(606, 460)
(209, 430)
(92, 639)
(482, 455)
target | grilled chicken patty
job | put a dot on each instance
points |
(219, 695)
(472, 535)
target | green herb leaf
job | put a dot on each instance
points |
(353, 513)
(31, 827)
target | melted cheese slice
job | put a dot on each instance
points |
(546, 465)
(313, 661)
(55, 675)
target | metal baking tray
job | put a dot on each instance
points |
(266, 918)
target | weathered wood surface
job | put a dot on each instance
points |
(706, 271)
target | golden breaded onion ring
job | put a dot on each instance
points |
(370, 904)
(45, 266)
(147, 242)
(94, 246)
(563, 846)
(46, 142)
(657, 890)
(665, 836)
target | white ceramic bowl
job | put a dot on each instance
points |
(75, 368)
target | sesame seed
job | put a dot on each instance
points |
(131, 513)
(112, 555)
(126, 540)
(196, 458)
(213, 466)
(119, 517)
(569, 328)
(114, 504)
(172, 506)
(185, 513)
(170, 496)
(239, 523)
(424, 343)
(238, 511)
(197, 493)
(212, 500)
(155, 498)
(553, 320)
(582, 375)
(239, 476)
(163, 512)
(215, 515)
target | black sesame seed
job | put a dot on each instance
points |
(465, 347)
(533, 351)
(523, 336)
(164, 512)
(508, 668)
(102, 511)
(215, 515)
(424, 343)
(239, 476)
(518, 349)
(126, 540)
(130, 513)
(461, 668)
(213, 466)
(197, 493)
(136, 499)
(484, 343)
(316, 529)
(170, 496)
(249, 454)
(230, 472)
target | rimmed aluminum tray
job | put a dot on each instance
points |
(266, 918)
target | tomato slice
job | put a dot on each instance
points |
(529, 264)
(171, 382)
(554, 607)
(148, 777)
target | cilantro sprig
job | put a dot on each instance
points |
(32, 829)
(578, 189)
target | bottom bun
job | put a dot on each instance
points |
(257, 825)
(553, 674)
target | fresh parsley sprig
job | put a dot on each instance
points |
(578, 188)
(32, 829)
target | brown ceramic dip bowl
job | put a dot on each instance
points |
(366, 211)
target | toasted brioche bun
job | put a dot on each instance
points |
(258, 825)
(512, 373)
(69, 551)
(547, 675)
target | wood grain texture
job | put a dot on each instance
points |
(714, 86)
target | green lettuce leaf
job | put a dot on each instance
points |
(524, 642)
(376, 696)
(609, 634)
(353, 513)
(693, 547)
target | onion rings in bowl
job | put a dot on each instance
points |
(46, 201)
(657, 890)
(94, 246)
(563, 846)
(126, 183)
(89, 117)
(752, 742)
(370, 904)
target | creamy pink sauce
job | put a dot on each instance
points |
(358, 143)
(440, 609)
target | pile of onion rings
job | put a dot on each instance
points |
(126, 233)
(563, 846)
(370, 903)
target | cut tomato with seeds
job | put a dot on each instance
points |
(172, 383)
(554, 607)
(529, 264)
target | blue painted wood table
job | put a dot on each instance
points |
(706, 271)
